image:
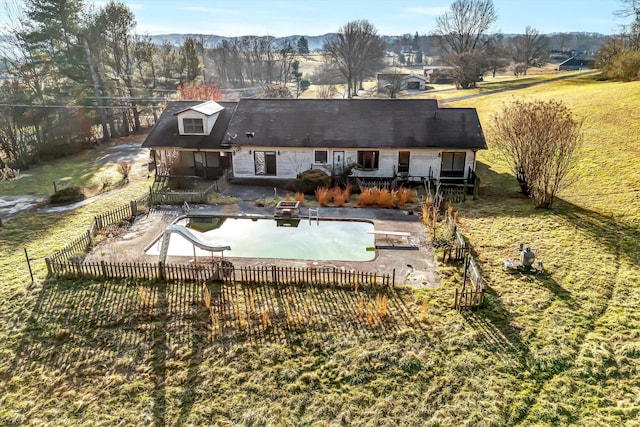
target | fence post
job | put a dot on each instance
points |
(48, 262)
(134, 208)
(274, 275)
(476, 187)
(26, 255)
(393, 280)
(464, 194)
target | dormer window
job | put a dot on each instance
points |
(198, 119)
(193, 125)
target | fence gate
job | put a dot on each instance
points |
(473, 287)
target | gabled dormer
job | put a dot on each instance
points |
(198, 119)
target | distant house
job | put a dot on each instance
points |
(438, 74)
(574, 64)
(404, 81)
(261, 139)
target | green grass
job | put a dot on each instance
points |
(80, 170)
(561, 348)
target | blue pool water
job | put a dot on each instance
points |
(296, 239)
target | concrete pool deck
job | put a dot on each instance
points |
(413, 258)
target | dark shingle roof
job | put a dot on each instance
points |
(372, 123)
(375, 123)
(165, 132)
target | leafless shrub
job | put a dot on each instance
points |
(124, 168)
(540, 141)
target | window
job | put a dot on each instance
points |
(453, 164)
(193, 126)
(368, 159)
(321, 157)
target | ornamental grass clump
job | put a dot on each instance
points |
(366, 197)
(207, 299)
(340, 196)
(145, 297)
(405, 195)
(384, 198)
(299, 197)
(381, 306)
(376, 196)
(323, 195)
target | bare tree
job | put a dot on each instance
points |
(540, 141)
(496, 54)
(463, 34)
(631, 8)
(356, 51)
(287, 55)
(530, 49)
(394, 83)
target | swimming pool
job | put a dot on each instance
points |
(299, 239)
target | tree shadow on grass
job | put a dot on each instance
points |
(607, 230)
(492, 322)
(92, 329)
(619, 237)
(280, 314)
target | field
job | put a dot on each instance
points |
(561, 348)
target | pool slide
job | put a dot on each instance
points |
(184, 232)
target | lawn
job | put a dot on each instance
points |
(85, 169)
(561, 348)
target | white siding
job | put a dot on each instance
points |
(289, 162)
(243, 166)
(423, 163)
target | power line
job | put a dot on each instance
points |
(95, 107)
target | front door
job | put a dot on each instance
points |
(265, 162)
(198, 165)
(338, 162)
(270, 158)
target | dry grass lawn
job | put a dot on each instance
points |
(561, 348)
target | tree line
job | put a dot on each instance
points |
(74, 73)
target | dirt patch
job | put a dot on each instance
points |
(128, 244)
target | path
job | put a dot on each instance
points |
(518, 86)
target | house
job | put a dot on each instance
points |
(186, 135)
(404, 81)
(575, 64)
(260, 139)
(438, 74)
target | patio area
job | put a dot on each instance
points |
(404, 248)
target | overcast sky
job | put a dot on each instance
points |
(390, 17)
